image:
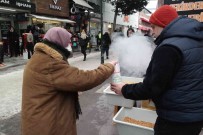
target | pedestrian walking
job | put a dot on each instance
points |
(83, 41)
(98, 37)
(30, 44)
(130, 32)
(174, 76)
(21, 45)
(106, 41)
(13, 40)
(50, 102)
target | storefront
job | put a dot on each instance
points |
(14, 13)
(80, 13)
(51, 13)
(122, 22)
(191, 8)
(144, 24)
(94, 22)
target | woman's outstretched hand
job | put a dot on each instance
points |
(113, 62)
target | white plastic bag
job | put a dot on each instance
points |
(25, 55)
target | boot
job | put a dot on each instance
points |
(84, 58)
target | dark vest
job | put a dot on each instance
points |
(183, 101)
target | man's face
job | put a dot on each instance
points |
(156, 30)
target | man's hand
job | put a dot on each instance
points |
(117, 88)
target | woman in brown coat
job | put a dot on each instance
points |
(50, 103)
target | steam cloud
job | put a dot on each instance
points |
(133, 54)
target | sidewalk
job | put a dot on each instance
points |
(18, 61)
(13, 62)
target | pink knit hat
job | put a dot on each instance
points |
(59, 36)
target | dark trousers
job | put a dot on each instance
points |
(165, 127)
(105, 50)
(83, 51)
(98, 44)
(30, 49)
(1, 54)
(14, 49)
(21, 49)
(6, 49)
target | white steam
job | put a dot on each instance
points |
(134, 54)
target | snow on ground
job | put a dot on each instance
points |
(10, 94)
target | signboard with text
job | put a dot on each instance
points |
(190, 8)
(18, 4)
(53, 7)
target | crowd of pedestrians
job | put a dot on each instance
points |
(17, 45)
(23, 44)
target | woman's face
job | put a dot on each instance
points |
(130, 33)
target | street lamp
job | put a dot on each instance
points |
(102, 54)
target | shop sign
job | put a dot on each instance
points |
(23, 5)
(55, 7)
(5, 1)
(18, 4)
(190, 8)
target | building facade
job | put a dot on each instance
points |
(51, 13)
(122, 22)
(14, 13)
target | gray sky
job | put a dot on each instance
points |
(152, 5)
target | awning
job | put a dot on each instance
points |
(96, 7)
(82, 3)
(144, 19)
(144, 28)
(52, 18)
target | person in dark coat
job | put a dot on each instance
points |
(13, 40)
(83, 41)
(98, 37)
(106, 41)
(174, 78)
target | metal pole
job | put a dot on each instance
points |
(89, 15)
(102, 55)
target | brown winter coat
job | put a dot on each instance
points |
(48, 104)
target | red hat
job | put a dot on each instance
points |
(163, 16)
